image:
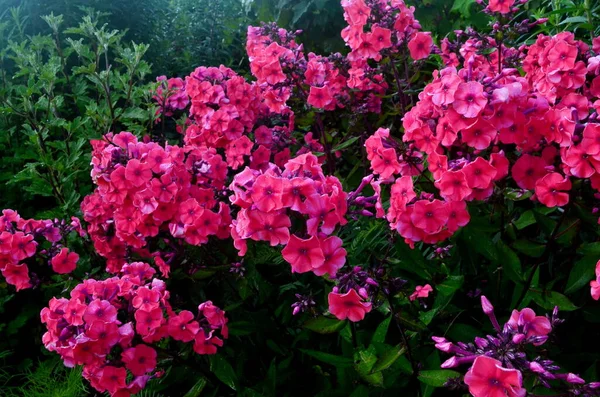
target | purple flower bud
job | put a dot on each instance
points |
(536, 367)
(439, 339)
(446, 347)
(572, 378)
(450, 363)
(518, 338)
(486, 305)
(481, 343)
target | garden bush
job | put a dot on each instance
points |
(415, 214)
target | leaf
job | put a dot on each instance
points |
(549, 299)
(578, 19)
(450, 285)
(463, 7)
(509, 260)
(223, 370)
(381, 331)
(364, 361)
(324, 325)
(388, 358)
(437, 377)
(331, 359)
(529, 248)
(345, 144)
(590, 249)
(196, 390)
(526, 219)
(581, 274)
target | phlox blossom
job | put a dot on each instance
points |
(487, 378)
(348, 306)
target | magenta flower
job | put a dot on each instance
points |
(487, 378)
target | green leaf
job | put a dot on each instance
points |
(324, 325)
(364, 361)
(437, 377)
(529, 248)
(332, 359)
(578, 19)
(581, 274)
(463, 7)
(510, 262)
(381, 331)
(388, 358)
(590, 249)
(526, 219)
(196, 390)
(345, 144)
(450, 285)
(223, 370)
(549, 299)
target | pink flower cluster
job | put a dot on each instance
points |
(110, 326)
(146, 190)
(269, 199)
(20, 241)
(477, 126)
(170, 95)
(225, 110)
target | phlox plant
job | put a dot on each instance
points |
(347, 212)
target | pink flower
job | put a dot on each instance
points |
(529, 324)
(501, 6)
(348, 306)
(136, 173)
(303, 255)
(552, 190)
(469, 99)
(420, 45)
(64, 262)
(319, 97)
(430, 216)
(421, 292)
(487, 378)
(140, 359)
(595, 284)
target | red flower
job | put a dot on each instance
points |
(17, 275)
(529, 324)
(140, 359)
(453, 186)
(303, 255)
(479, 174)
(64, 262)
(146, 322)
(487, 378)
(348, 306)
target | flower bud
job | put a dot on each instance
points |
(572, 378)
(450, 363)
(536, 367)
(486, 305)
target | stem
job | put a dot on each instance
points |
(413, 364)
